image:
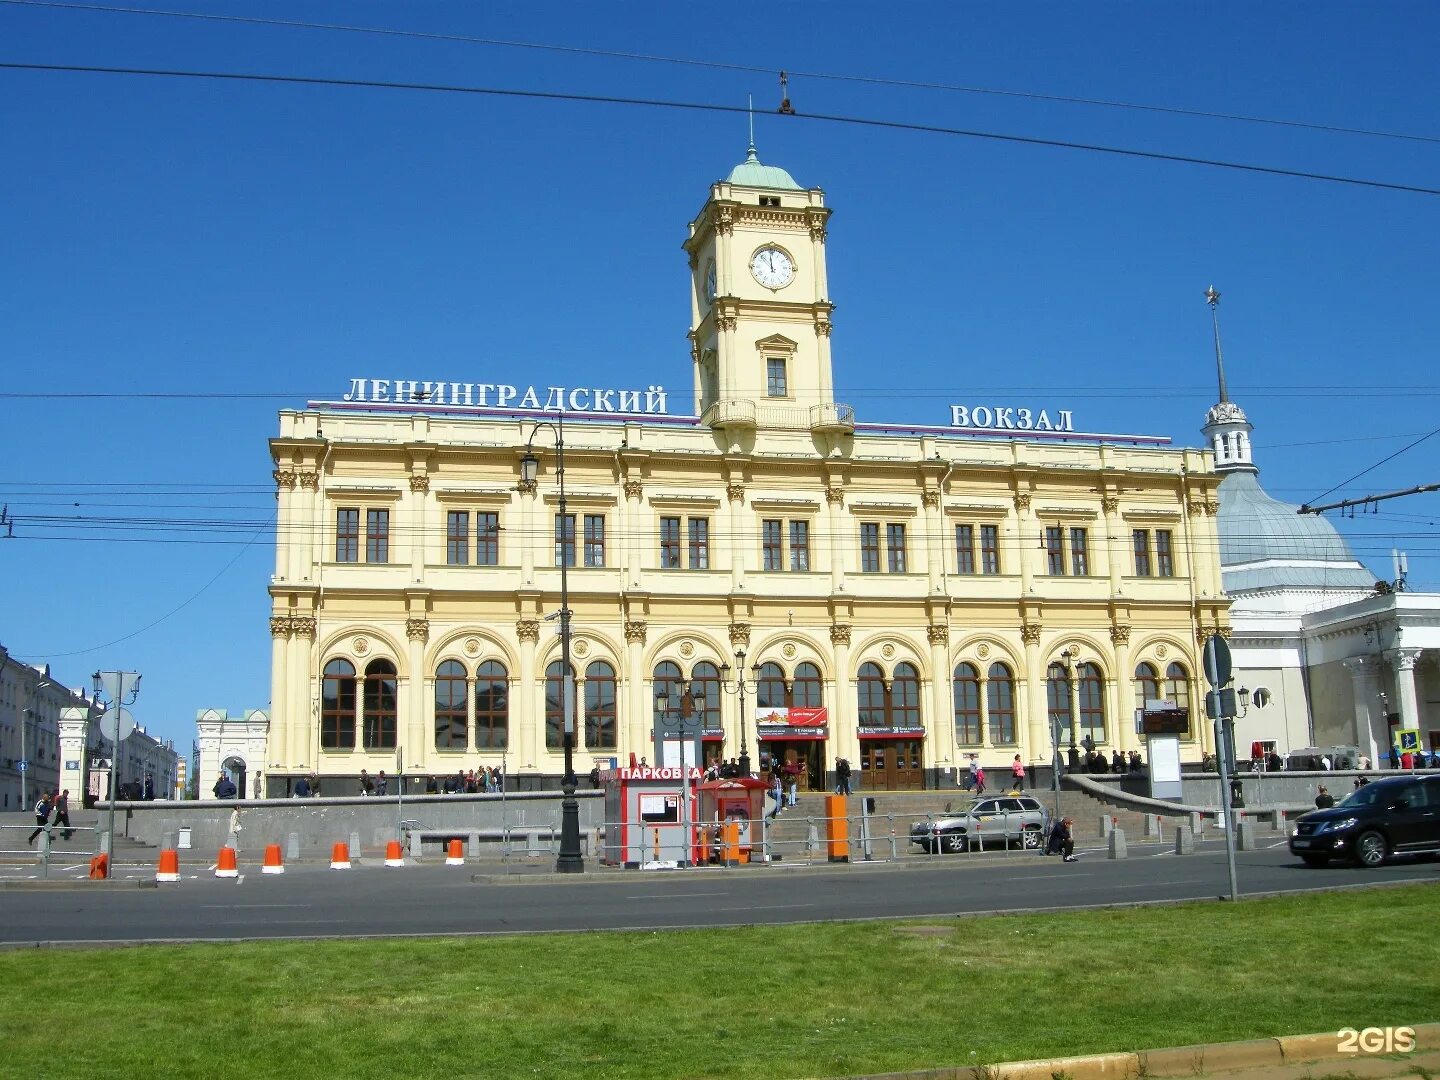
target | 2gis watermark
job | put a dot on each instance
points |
(1375, 1040)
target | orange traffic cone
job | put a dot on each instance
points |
(455, 856)
(392, 854)
(100, 867)
(273, 865)
(340, 857)
(169, 865)
(225, 864)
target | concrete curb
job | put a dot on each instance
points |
(81, 883)
(1175, 1061)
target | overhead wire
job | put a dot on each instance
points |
(695, 106)
(720, 65)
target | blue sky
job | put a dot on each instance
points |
(258, 245)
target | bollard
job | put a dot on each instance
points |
(812, 838)
(1277, 822)
(1197, 823)
(272, 864)
(1152, 824)
(393, 854)
(1184, 840)
(169, 868)
(730, 843)
(355, 846)
(292, 846)
(532, 844)
(415, 844)
(225, 863)
(1244, 834)
(340, 857)
(472, 844)
(1106, 824)
(455, 854)
(1117, 844)
(837, 829)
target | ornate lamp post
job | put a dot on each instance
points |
(570, 860)
(123, 688)
(739, 688)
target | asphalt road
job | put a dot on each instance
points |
(373, 900)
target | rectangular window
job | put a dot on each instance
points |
(669, 543)
(990, 549)
(869, 548)
(347, 535)
(1079, 552)
(594, 539)
(965, 549)
(487, 538)
(1142, 552)
(457, 538)
(799, 545)
(1055, 550)
(772, 553)
(699, 543)
(377, 536)
(1164, 559)
(564, 539)
(895, 548)
(775, 382)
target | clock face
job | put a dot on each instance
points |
(772, 268)
(710, 282)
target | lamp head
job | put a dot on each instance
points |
(529, 467)
(98, 683)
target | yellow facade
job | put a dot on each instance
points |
(866, 575)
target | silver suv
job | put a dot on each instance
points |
(1007, 819)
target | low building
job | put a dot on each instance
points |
(811, 585)
(30, 706)
(235, 746)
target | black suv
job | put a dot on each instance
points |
(1399, 815)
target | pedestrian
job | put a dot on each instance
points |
(367, 786)
(979, 781)
(42, 815)
(235, 828)
(1325, 762)
(595, 776)
(1017, 773)
(791, 771)
(1136, 765)
(62, 813)
(149, 794)
(842, 777)
(970, 773)
(777, 793)
(1117, 763)
(224, 787)
(381, 784)
(1361, 781)
(302, 788)
(1323, 799)
(1061, 840)
(432, 787)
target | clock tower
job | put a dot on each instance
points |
(760, 307)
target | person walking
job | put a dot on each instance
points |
(42, 815)
(381, 784)
(302, 788)
(791, 772)
(235, 827)
(842, 777)
(367, 786)
(62, 813)
(979, 780)
(1017, 774)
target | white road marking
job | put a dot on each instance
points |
(668, 896)
(764, 907)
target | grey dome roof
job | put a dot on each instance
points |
(751, 173)
(1299, 550)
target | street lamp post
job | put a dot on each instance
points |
(690, 716)
(739, 688)
(570, 860)
(123, 688)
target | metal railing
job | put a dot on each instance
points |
(50, 842)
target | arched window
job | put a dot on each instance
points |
(492, 706)
(905, 697)
(667, 684)
(770, 688)
(1177, 685)
(705, 680)
(554, 719)
(382, 705)
(807, 691)
(337, 706)
(1057, 699)
(1092, 703)
(450, 716)
(600, 729)
(1000, 704)
(967, 705)
(870, 696)
(1147, 685)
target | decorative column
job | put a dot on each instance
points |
(1114, 543)
(1025, 540)
(842, 728)
(1124, 704)
(1372, 733)
(413, 742)
(74, 764)
(942, 705)
(631, 530)
(935, 541)
(308, 540)
(527, 488)
(637, 708)
(415, 513)
(835, 516)
(1036, 713)
(736, 526)
(279, 752)
(303, 723)
(528, 728)
(1402, 662)
(287, 533)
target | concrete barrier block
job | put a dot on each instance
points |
(532, 845)
(1278, 822)
(416, 845)
(1152, 824)
(1117, 844)
(1106, 824)
(292, 846)
(1244, 835)
(355, 846)
(1184, 840)
(472, 844)
(1197, 823)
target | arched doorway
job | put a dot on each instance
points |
(234, 768)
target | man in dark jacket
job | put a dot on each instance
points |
(224, 788)
(1061, 840)
(1324, 800)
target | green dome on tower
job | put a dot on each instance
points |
(751, 173)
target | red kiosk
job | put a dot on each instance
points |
(730, 819)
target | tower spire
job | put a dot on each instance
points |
(750, 111)
(1213, 299)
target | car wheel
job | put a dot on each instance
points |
(1030, 838)
(1370, 848)
(954, 842)
(1315, 860)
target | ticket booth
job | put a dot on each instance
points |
(738, 802)
(646, 815)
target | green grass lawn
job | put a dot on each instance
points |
(822, 1000)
